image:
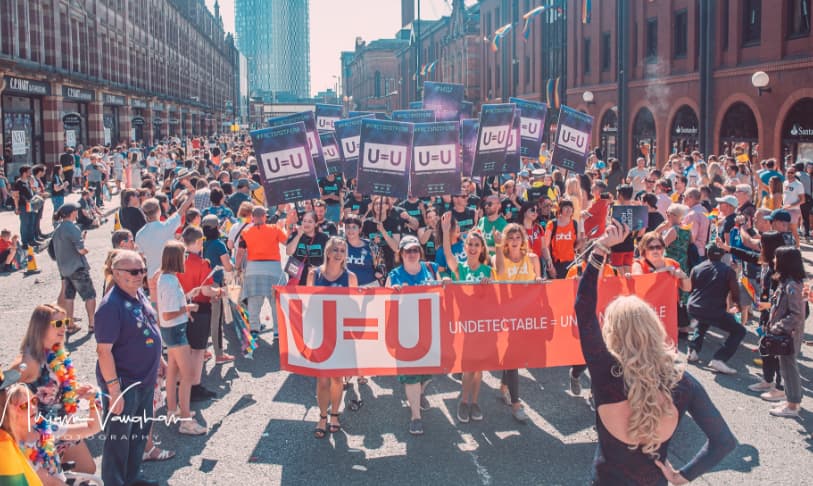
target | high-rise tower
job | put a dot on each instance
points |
(274, 35)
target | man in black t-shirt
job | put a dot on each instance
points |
(331, 188)
(415, 208)
(325, 225)
(66, 161)
(358, 204)
(466, 218)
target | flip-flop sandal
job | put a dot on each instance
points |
(164, 455)
(320, 433)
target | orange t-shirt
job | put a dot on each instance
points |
(606, 271)
(562, 241)
(647, 269)
(262, 242)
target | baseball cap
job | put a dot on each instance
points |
(8, 378)
(523, 173)
(408, 241)
(730, 200)
(779, 215)
(712, 250)
(209, 220)
(68, 208)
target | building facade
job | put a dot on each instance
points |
(102, 72)
(371, 74)
(274, 35)
(449, 50)
(682, 79)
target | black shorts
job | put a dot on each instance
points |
(79, 282)
(197, 331)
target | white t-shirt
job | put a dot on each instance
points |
(153, 236)
(639, 174)
(792, 191)
(171, 298)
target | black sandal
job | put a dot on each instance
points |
(320, 433)
(334, 428)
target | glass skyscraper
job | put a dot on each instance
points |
(274, 35)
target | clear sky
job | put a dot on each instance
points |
(335, 24)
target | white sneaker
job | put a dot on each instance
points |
(721, 367)
(773, 395)
(692, 356)
(761, 386)
(784, 411)
(191, 427)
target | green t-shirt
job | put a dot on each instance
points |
(486, 227)
(469, 275)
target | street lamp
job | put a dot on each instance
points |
(348, 103)
(760, 80)
(588, 97)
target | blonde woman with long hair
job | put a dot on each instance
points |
(514, 262)
(640, 388)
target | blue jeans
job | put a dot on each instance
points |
(28, 221)
(58, 201)
(124, 441)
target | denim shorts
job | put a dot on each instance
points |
(175, 336)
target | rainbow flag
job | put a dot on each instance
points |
(557, 102)
(498, 35)
(749, 288)
(423, 70)
(529, 17)
(586, 7)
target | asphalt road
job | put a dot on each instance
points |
(261, 426)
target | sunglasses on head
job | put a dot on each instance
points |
(57, 323)
(135, 272)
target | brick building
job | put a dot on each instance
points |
(449, 52)
(532, 68)
(686, 76)
(384, 74)
(371, 74)
(107, 71)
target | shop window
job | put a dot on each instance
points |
(605, 52)
(651, 46)
(724, 24)
(681, 26)
(586, 55)
(798, 18)
(751, 22)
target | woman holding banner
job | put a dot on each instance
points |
(640, 388)
(475, 268)
(652, 249)
(514, 262)
(413, 271)
(332, 273)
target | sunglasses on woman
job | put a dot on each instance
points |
(655, 247)
(28, 404)
(57, 323)
(412, 251)
(135, 272)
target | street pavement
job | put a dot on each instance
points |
(260, 429)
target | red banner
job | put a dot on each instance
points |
(449, 328)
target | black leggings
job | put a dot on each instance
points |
(510, 378)
(770, 370)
